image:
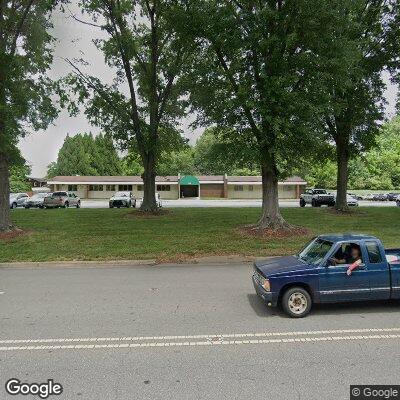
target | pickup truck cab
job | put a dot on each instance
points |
(317, 198)
(318, 274)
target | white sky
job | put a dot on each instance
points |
(73, 39)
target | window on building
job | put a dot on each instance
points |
(140, 188)
(163, 188)
(110, 188)
(238, 188)
(72, 188)
(96, 188)
(125, 188)
(251, 188)
(287, 188)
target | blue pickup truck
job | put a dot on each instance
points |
(318, 274)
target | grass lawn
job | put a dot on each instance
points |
(104, 234)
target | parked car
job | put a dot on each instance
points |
(380, 197)
(352, 200)
(369, 196)
(18, 199)
(392, 196)
(36, 201)
(158, 200)
(317, 198)
(122, 199)
(398, 201)
(356, 196)
(62, 200)
(313, 275)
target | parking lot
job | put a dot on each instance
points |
(228, 203)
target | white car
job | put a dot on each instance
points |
(18, 199)
(352, 201)
(158, 200)
(398, 201)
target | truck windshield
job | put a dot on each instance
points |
(315, 251)
(319, 191)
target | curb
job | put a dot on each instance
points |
(221, 260)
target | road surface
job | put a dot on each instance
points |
(184, 332)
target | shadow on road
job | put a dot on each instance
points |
(372, 307)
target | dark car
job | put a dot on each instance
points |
(380, 197)
(318, 275)
(37, 200)
(392, 196)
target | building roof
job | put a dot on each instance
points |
(78, 179)
(292, 179)
(82, 179)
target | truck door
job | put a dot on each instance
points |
(335, 285)
(378, 270)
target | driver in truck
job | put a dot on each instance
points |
(350, 255)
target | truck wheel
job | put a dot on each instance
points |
(302, 203)
(296, 302)
(78, 204)
(14, 205)
(313, 203)
(66, 205)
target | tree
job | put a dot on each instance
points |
(369, 36)
(258, 74)
(218, 152)
(25, 102)
(145, 99)
(83, 154)
(19, 178)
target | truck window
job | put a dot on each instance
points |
(374, 253)
(347, 253)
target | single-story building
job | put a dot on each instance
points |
(175, 187)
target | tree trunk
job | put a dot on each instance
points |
(149, 183)
(271, 217)
(342, 156)
(5, 217)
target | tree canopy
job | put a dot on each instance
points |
(25, 89)
(84, 154)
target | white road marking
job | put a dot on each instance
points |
(201, 340)
(214, 337)
(201, 343)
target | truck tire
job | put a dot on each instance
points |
(313, 203)
(296, 302)
(302, 203)
(78, 204)
(66, 204)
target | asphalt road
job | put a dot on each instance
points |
(228, 203)
(184, 332)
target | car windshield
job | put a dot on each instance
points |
(320, 191)
(38, 196)
(121, 194)
(59, 194)
(315, 251)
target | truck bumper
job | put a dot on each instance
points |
(269, 298)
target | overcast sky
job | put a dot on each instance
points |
(73, 39)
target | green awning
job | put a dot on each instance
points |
(189, 180)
